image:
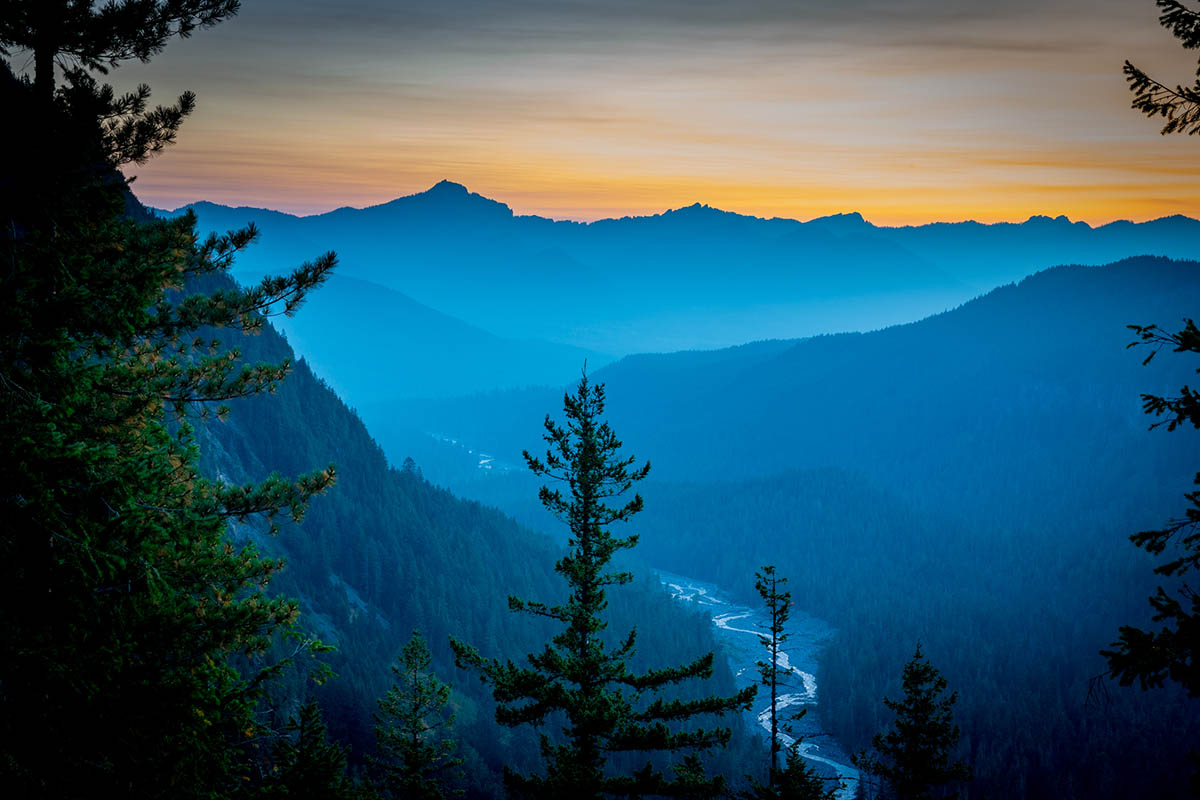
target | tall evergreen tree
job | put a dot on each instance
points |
(914, 757)
(412, 730)
(778, 603)
(796, 780)
(579, 674)
(133, 631)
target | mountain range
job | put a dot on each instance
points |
(691, 278)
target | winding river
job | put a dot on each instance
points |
(741, 630)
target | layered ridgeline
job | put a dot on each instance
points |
(969, 480)
(694, 277)
(385, 552)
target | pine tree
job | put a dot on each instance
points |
(310, 766)
(1173, 652)
(412, 723)
(134, 633)
(796, 780)
(778, 603)
(1180, 106)
(914, 756)
(580, 676)
(77, 32)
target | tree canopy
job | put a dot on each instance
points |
(135, 632)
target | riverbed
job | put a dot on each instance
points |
(740, 630)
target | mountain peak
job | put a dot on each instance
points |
(446, 187)
(447, 197)
(850, 216)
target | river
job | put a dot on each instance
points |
(740, 629)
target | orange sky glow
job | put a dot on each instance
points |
(788, 110)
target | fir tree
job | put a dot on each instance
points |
(579, 674)
(1180, 106)
(134, 633)
(778, 603)
(66, 33)
(412, 723)
(914, 756)
(309, 766)
(797, 780)
(1173, 652)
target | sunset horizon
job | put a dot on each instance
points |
(339, 336)
(563, 215)
(577, 112)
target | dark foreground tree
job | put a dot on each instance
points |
(69, 33)
(580, 674)
(308, 765)
(134, 632)
(412, 725)
(797, 780)
(1173, 651)
(914, 757)
(1180, 106)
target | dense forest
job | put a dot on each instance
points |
(165, 613)
(1011, 533)
(217, 582)
(386, 552)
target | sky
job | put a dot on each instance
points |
(907, 111)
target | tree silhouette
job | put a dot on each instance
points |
(1180, 106)
(309, 765)
(78, 33)
(1171, 653)
(914, 755)
(135, 635)
(579, 675)
(1151, 658)
(795, 780)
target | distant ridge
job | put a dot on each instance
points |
(447, 190)
(695, 277)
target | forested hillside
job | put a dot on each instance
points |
(970, 481)
(386, 552)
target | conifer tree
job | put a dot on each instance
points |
(778, 603)
(580, 676)
(412, 730)
(796, 780)
(1180, 106)
(914, 755)
(1173, 652)
(133, 631)
(95, 37)
(309, 766)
